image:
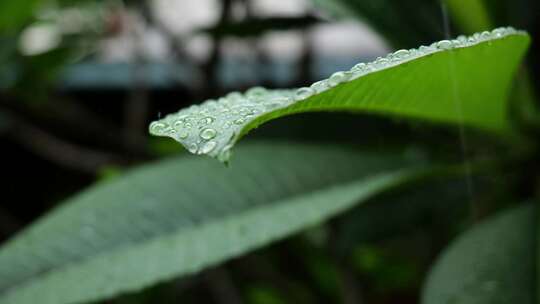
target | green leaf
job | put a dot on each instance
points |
(492, 263)
(179, 216)
(463, 81)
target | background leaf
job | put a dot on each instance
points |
(13, 14)
(179, 216)
(495, 262)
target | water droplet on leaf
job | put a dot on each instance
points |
(208, 133)
(208, 147)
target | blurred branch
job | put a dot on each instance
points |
(58, 151)
(72, 117)
(175, 40)
(256, 26)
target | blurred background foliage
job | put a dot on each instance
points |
(81, 79)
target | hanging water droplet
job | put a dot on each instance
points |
(225, 152)
(208, 147)
(208, 134)
(193, 148)
(303, 93)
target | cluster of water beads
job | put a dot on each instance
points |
(211, 127)
(214, 123)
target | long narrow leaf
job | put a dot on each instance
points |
(179, 216)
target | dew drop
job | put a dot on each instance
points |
(178, 124)
(208, 133)
(193, 148)
(208, 147)
(401, 54)
(256, 93)
(171, 132)
(319, 86)
(206, 120)
(337, 78)
(157, 127)
(183, 134)
(485, 35)
(277, 102)
(444, 44)
(303, 93)
(359, 68)
(456, 43)
(234, 96)
(381, 62)
(239, 121)
(462, 39)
